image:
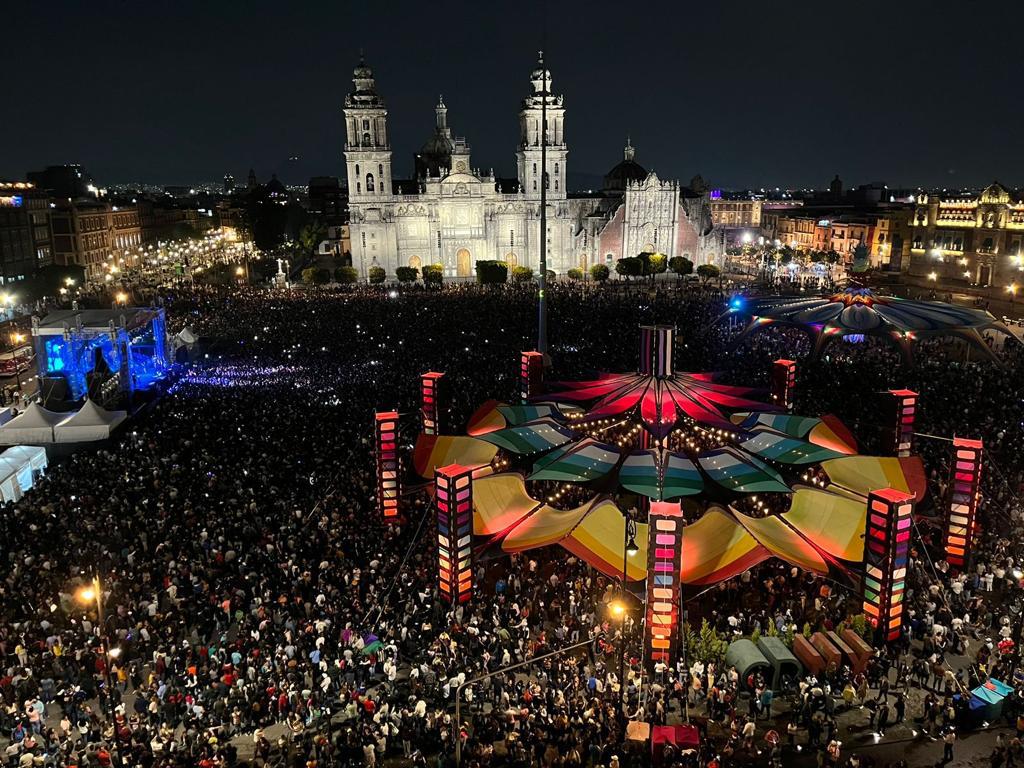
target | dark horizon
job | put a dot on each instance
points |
(748, 95)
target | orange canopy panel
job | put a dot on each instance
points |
(832, 433)
(545, 526)
(500, 501)
(716, 547)
(433, 451)
(834, 524)
(863, 474)
(784, 542)
(487, 418)
(600, 540)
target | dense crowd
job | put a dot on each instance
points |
(259, 611)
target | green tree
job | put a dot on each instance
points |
(708, 272)
(377, 275)
(316, 276)
(311, 234)
(599, 273)
(575, 274)
(772, 630)
(521, 274)
(657, 263)
(407, 274)
(681, 265)
(433, 274)
(755, 636)
(346, 275)
(631, 266)
(491, 272)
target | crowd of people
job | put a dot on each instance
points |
(258, 611)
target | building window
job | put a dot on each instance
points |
(556, 169)
(366, 125)
(366, 139)
(534, 185)
(369, 182)
(380, 170)
(359, 187)
(357, 169)
(511, 238)
(556, 183)
(364, 239)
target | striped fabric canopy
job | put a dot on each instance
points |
(676, 476)
(786, 450)
(532, 437)
(580, 463)
(520, 414)
(739, 473)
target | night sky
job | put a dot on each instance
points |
(748, 94)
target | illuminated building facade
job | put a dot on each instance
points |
(971, 239)
(964, 495)
(389, 480)
(736, 217)
(454, 489)
(25, 241)
(455, 215)
(886, 552)
(664, 564)
(91, 234)
(884, 232)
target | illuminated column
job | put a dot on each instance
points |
(656, 342)
(432, 402)
(531, 374)
(783, 383)
(964, 493)
(902, 404)
(388, 478)
(886, 544)
(454, 486)
(664, 563)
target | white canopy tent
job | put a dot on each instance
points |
(34, 455)
(91, 422)
(34, 426)
(10, 482)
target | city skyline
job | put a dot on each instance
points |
(734, 97)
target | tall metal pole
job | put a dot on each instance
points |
(622, 624)
(97, 588)
(542, 279)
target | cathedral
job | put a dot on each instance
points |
(453, 214)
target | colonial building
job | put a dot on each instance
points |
(454, 214)
(880, 229)
(736, 217)
(976, 239)
(94, 235)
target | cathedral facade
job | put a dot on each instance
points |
(453, 214)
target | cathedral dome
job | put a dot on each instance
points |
(619, 177)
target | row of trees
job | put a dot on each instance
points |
(498, 272)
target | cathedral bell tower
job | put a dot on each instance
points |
(367, 147)
(528, 158)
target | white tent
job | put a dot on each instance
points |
(186, 336)
(10, 482)
(34, 455)
(34, 426)
(90, 423)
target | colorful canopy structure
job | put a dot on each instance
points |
(661, 479)
(579, 463)
(532, 437)
(858, 311)
(659, 403)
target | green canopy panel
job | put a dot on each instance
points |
(786, 450)
(740, 473)
(794, 426)
(521, 414)
(585, 461)
(533, 437)
(639, 474)
(681, 478)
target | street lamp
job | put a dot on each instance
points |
(94, 594)
(933, 276)
(16, 339)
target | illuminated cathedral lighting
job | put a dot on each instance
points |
(388, 477)
(964, 494)
(664, 563)
(431, 401)
(783, 383)
(886, 548)
(454, 486)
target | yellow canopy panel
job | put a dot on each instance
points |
(432, 452)
(600, 540)
(545, 526)
(863, 474)
(716, 547)
(834, 524)
(500, 501)
(486, 419)
(783, 542)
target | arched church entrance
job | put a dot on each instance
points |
(415, 262)
(463, 265)
(511, 259)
